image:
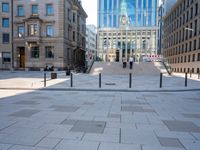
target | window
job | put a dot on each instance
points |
(74, 17)
(6, 57)
(49, 52)
(191, 13)
(20, 11)
(49, 9)
(6, 38)
(198, 58)
(5, 7)
(188, 58)
(193, 57)
(190, 46)
(34, 9)
(195, 45)
(5, 22)
(34, 52)
(74, 36)
(196, 9)
(21, 31)
(49, 29)
(33, 29)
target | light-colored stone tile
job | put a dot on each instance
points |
(48, 142)
(101, 137)
(77, 145)
(114, 146)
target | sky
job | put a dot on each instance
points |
(90, 6)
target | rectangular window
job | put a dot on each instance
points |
(188, 58)
(6, 57)
(49, 29)
(21, 31)
(195, 45)
(196, 9)
(74, 17)
(198, 58)
(190, 46)
(20, 11)
(6, 38)
(74, 36)
(34, 9)
(5, 7)
(49, 9)
(5, 22)
(49, 52)
(33, 29)
(193, 57)
(34, 52)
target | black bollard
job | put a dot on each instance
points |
(161, 80)
(100, 80)
(71, 79)
(190, 73)
(45, 79)
(130, 80)
(198, 75)
(185, 79)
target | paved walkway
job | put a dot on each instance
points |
(60, 120)
(97, 120)
(86, 81)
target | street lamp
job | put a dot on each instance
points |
(190, 29)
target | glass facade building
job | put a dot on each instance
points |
(127, 27)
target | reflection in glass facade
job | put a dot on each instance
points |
(127, 27)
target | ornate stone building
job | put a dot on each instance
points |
(182, 36)
(48, 33)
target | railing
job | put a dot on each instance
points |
(90, 67)
(167, 67)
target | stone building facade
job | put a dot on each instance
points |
(182, 36)
(5, 34)
(48, 33)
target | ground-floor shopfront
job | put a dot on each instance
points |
(115, 44)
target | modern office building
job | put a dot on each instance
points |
(182, 36)
(127, 27)
(44, 33)
(91, 43)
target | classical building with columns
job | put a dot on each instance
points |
(47, 32)
(127, 28)
(182, 36)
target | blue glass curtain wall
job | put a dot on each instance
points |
(115, 13)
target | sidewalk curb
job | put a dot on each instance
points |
(101, 90)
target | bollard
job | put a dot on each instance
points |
(45, 79)
(100, 80)
(190, 73)
(198, 75)
(71, 79)
(130, 80)
(161, 80)
(185, 79)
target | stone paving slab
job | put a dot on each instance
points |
(100, 113)
(170, 142)
(77, 145)
(182, 126)
(25, 113)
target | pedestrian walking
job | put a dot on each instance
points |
(131, 62)
(124, 62)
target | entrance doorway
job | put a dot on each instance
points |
(117, 55)
(22, 57)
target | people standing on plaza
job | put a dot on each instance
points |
(131, 62)
(124, 62)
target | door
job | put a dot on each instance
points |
(117, 55)
(22, 57)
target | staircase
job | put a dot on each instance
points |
(115, 68)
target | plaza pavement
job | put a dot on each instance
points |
(64, 118)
